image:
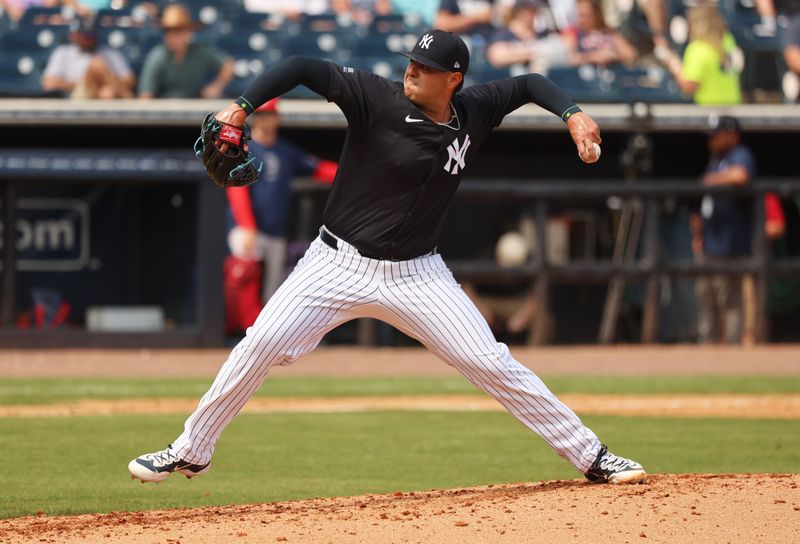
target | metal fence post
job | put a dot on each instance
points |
(761, 258)
(652, 259)
(541, 325)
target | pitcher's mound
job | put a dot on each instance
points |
(691, 508)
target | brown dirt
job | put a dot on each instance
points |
(730, 406)
(612, 360)
(687, 508)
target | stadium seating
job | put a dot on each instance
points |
(40, 16)
(586, 83)
(20, 76)
(652, 84)
(258, 40)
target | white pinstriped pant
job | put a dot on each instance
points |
(421, 298)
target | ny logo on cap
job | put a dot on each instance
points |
(425, 42)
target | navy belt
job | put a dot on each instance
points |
(331, 241)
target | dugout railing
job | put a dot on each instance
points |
(647, 267)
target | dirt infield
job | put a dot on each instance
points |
(613, 360)
(724, 406)
(669, 508)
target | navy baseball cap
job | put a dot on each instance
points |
(723, 123)
(440, 50)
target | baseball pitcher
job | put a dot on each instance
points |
(407, 146)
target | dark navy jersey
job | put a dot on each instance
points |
(398, 169)
(727, 224)
(271, 194)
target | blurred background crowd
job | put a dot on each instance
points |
(721, 53)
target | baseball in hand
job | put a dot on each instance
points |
(596, 152)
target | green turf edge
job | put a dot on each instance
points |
(78, 465)
(43, 391)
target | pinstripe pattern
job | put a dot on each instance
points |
(416, 292)
(420, 297)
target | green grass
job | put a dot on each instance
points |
(41, 391)
(77, 465)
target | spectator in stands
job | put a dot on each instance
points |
(180, 67)
(82, 70)
(470, 17)
(776, 15)
(655, 14)
(557, 16)
(514, 44)
(519, 42)
(17, 8)
(722, 231)
(258, 213)
(709, 71)
(790, 40)
(593, 41)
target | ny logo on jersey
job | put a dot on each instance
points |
(425, 42)
(456, 152)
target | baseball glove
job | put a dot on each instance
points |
(236, 166)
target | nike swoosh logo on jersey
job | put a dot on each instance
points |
(410, 119)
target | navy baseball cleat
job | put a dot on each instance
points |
(157, 466)
(608, 468)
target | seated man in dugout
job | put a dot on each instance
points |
(81, 70)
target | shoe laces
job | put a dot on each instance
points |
(163, 457)
(614, 462)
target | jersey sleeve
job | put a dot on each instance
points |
(56, 63)
(308, 165)
(303, 163)
(493, 100)
(148, 77)
(791, 36)
(695, 62)
(241, 207)
(358, 93)
(773, 211)
(741, 156)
